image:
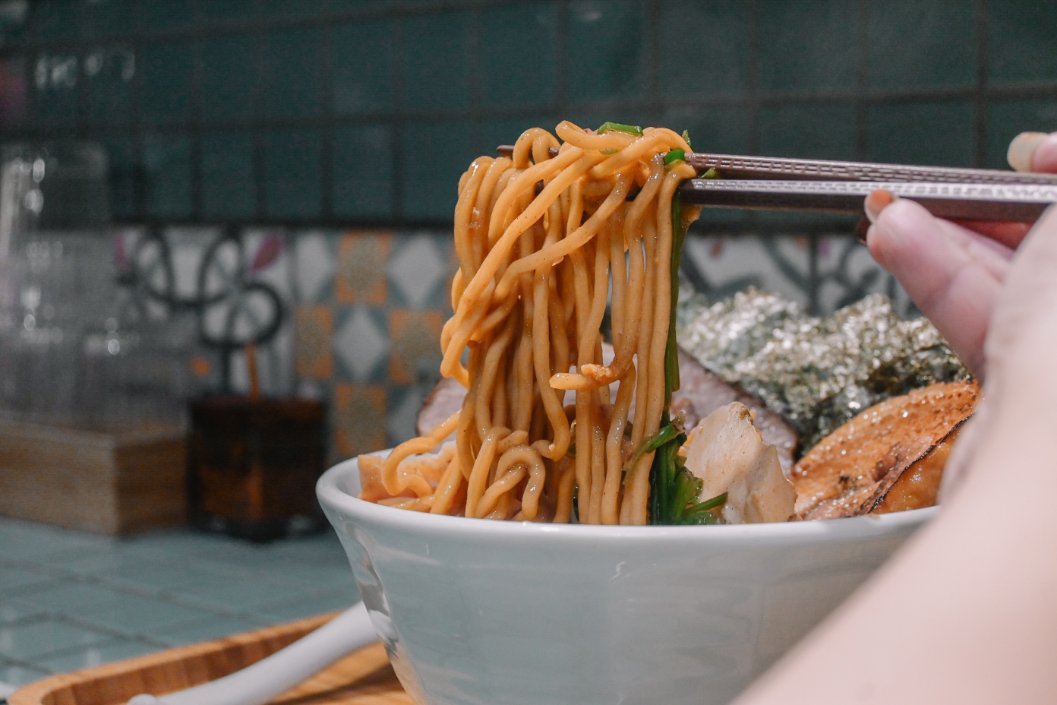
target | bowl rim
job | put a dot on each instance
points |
(334, 497)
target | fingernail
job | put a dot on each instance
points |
(1022, 148)
(876, 202)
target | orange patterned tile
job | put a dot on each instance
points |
(362, 257)
(314, 329)
(414, 343)
(359, 418)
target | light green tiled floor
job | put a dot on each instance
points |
(71, 600)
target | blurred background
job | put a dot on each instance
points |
(297, 161)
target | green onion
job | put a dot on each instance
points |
(675, 155)
(674, 489)
(686, 136)
(710, 174)
(619, 127)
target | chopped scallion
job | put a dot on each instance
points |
(675, 155)
(619, 127)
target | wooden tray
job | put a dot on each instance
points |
(362, 678)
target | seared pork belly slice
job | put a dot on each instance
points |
(855, 469)
(702, 392)
(728, 453)
(919, 485)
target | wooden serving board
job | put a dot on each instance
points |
(362, 678)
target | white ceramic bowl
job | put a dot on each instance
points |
(477, 612)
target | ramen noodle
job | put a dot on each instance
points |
(572, 226)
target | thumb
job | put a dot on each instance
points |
(1033, 151)
(1022, 338)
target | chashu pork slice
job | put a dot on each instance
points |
(887, 458)
(701, 392)
(728, 453)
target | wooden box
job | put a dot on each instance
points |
(112, 482)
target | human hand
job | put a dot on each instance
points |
(954, 271)
(966, 603)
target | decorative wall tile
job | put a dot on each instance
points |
(521, 71)
(402, 412)
(226, 10)
(713, 57)
(229, 76)
(920, 45)
(167, 176)
(365, 112)
(108, 74)
(922, 133)
(291, 82)
(360, 276)
(417, 270)
(415, 345)
(436, 62)
(606, 51)
(292, 185)
(168, 15)
(720, 265)
(1007, 118)
(364, 172)
(227, 175)
(361, 344)
(428, 185)
(54, 93)
(364, 66)
(53, 19)
(124, 163)
(164, 70)
(315, 264)
(818, 131)
(846, 273)
(315, 327)
(358, 411)
(808, 46)
(1020, 41)
(108, 17)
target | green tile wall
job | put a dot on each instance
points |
(364, 112)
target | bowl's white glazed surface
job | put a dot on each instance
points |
(477, 612)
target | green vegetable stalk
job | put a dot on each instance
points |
(674, 489)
